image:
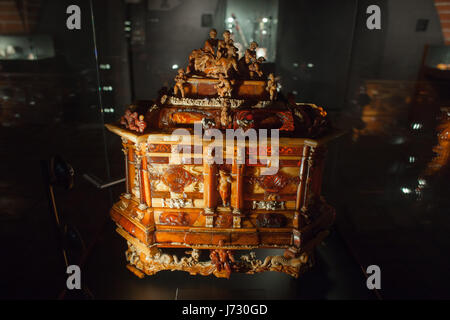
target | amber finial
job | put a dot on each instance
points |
(180, 79)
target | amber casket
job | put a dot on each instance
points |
(179, 205)
(221, 207)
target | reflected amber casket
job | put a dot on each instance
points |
(221, 208)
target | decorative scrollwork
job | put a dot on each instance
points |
(271, 220)
(206, 102)
(177, 178)
(224, 221)
(269, 205)
(222, 262)
(177, 203)
(173, 219)
(274, 183)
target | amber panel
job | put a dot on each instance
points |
(242, 238)
(282, 151)
(254, 89)
(275, 238)
(167, 237)
(130, 227)
(206, 89)
(159, 148)
(162, 160)
(166, 195)
(225, 237)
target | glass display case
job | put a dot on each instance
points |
(438, 57)
(72, 74)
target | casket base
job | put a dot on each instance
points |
(148, 261)
(140, 264)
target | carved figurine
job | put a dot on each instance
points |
(224, 187)
(226, 46)
(215, 260)
(250, 53)
(225, 118)
(180, 79)
(271, 86)
(132, 121)
(211, 44)
(226, 258)
(251, 62)
(255, 67)
(222, 259)
(200, 59)
(141, 124)
(125, 119)
(224, 64)
(223, 87)
(204, 61)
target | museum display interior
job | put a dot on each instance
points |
(381, 96)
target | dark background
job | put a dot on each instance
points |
(369, 81)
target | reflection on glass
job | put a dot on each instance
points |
(442, 149)
(253, 20)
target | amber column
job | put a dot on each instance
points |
(308, 178)
(237, 192)
(146, 178)
(209, 188)
(127, 194)
(138, 166)
(302, 176)
(300, 201)
(131, 174)
(148, 218)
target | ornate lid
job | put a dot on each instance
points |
(223, 91)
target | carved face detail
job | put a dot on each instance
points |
(270, 220)
(253, 45)
(226, 35)
(195, 254)
(230, 51)
(275, 183)
(173, 219)
(212, 33)
(177, 178)
(224, 221)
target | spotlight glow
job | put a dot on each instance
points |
(406, 190)
(416, 126)
(175, 66)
